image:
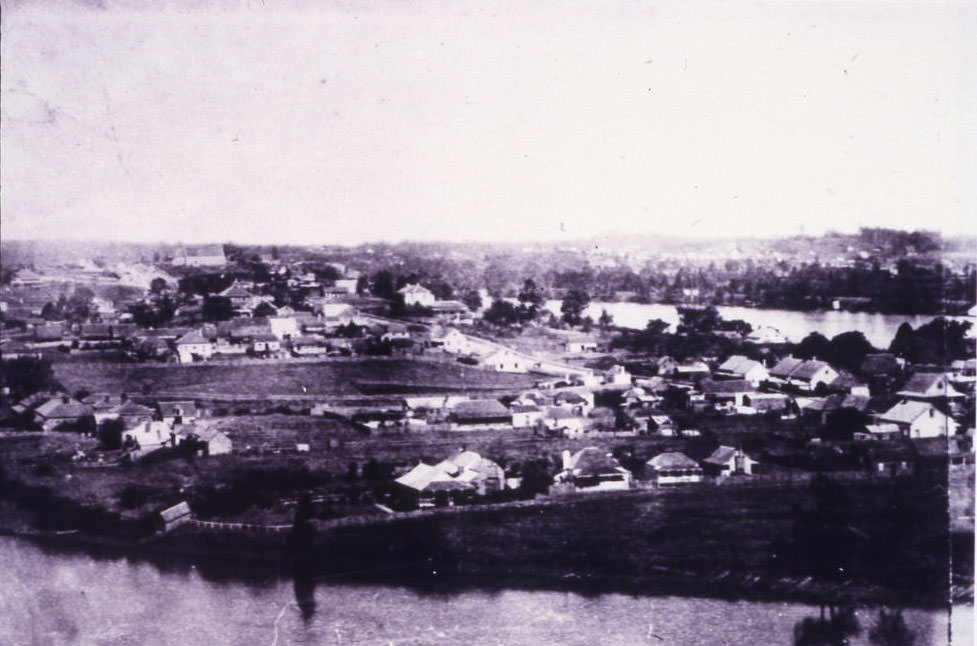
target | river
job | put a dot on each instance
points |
(877, 328)
(53, 596)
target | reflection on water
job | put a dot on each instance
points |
(58, 597)
(877, 328)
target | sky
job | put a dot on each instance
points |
(347, 122)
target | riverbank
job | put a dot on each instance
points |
(731, 546)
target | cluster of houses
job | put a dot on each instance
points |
(144, 427)
(466, 476)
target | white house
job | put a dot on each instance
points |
(504, 360)
(727, 460)
(147, 437)
(284, 327)
(766, 335)
(617, 376)
(525, 415)
(569, 422)
(417, 295)
(929, 387)
(193, 346)
(673, 467)
(591, 469)
(740, 367)
(919, 419)
(805, 374)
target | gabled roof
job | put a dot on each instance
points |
(739, 365)
(178, 510)
(906, 412)
(730, 386)
(57, 408)
(193, 337)
(785, 367)
(808, 369)
(414, 289)
(592, 461)
(130, 409)
(236, 290)
(925, 384)
(721, 455)
(173, 408)
(672, 460)
(424, 477)
(525, 408)
(479, 408)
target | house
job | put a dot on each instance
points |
(673, 467)
(61, 411)
(129, 412)
(428, 486)
(929, 387)
(308, 346)
(740, 367)
(395, 331)
(211, 255)
(807, 375)
(637, 397)
(147, 437)
(174, 413)
(207, 440)
(602, 418)
(662, 424)
(918, 419)
(765, 402)
(193, 346)
(766, 335)
(691, 370)
(891, 459)
(591, 469)
(265, 344)
(726, 461)
(417, 295)
(505, 360)
(451, 310)
(480, 412)
(172, 517)
(617, 376)
(571, 423)
(525, 415)
(451, 340)
(283, 327)
(16, 349)
(731, 392)
(875, 432)
(471, 468)
(579, 343)
(240, 298)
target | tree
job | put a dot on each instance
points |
(848, 349)
(383, 284)
(217, 308)
(264, 309)
(574, 303)
(50, 312)
(656, 327)
(26, 375)
(157, 286)
(606, 320)
(502, 313)
(531, 295)
(472, 299)
(902, 342)
(110, 434)
(814, 346)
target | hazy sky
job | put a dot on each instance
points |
(350, 121)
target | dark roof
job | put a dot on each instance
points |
(591, 461)
(672, 460)
(479, 409)
(727, 386)
(808, 369)
(785, 367)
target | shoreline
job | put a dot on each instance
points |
(248, 559)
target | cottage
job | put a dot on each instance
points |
(193, 346)
(766, 335)
(929, 387)
(206, 440)
(174, 413)
(672, 468)
(874, 432)
(617, 376)
(172, 517)
(62, 411)
(147, 437)
(525, 415)
(283, 327)
(129, 412)
(591, 469)
(451, 310)
(481, 413)
(417, 295)
(451, 340)
(211, 255)
(265, 344)
(564, 420)
(891, 459)
(691, 370)
(662, 424)
(579, 344)
(428, 486)
(504, 360)
(471, 468)
(919, 419)
(726, 461)
(241, 299)
(307, 346)
(740, 367)
(730, 392)
(807, 375)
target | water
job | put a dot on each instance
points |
(878, 328)
(57, 597)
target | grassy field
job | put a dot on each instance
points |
(328, 378)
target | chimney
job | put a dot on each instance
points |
(566, 459)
